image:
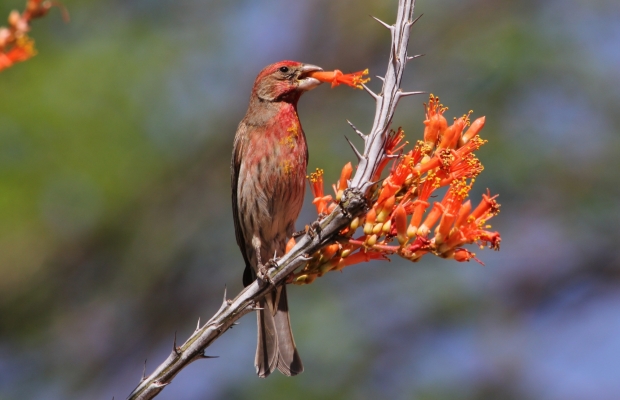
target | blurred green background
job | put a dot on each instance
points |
(115, 221)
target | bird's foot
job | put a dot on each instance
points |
(262, 274)
(263, 271)
(314, 230)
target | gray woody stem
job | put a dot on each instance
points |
(352, 204)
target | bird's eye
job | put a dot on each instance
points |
(284, 70)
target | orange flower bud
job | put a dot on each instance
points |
(371, 216)
(289, 245)
(377, 228)
(345, 175)
(473, 130)
(371, 240)
(400, 222)
(386, 209)
(387, 226)
(420, 207)
(329, 251)
(431, 219)
(462, 255)
(443, 230)
(463, 214)
(452, 134)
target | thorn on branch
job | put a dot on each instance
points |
(415, 20)
(409, 58)
(390, 27)
(360, 133)
(357, 153)
(370, 92)
(405, 94)
(175, 349)
(380, 77)
(198, 325)
(203, 355)
(143, 372)
(159, 384)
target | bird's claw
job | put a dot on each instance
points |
(263, 275)
(263, 271)
(314, 230)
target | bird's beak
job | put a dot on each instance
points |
(305, 82)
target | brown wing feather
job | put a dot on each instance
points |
(235, 166)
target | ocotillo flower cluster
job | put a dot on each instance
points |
(15, 44)
(401, 219)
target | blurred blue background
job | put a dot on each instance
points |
(115, 221)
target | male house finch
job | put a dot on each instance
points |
(268, 172)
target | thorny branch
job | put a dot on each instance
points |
(352, 204)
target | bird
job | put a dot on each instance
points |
(268, 173)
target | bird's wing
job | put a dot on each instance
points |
(235, 166)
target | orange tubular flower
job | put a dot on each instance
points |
(400, 223)
(463, 214)
(316, 185)
(419, 207)
(488, 205)
(435, 123)
(432, 218)
(289, 245)
(393, 140)
(345, 175)
(394, 182)
(451, 135)
(385, 209)
(336, 77)
(329, 252)
(473, 130)
(443, 229)
(432, 163)
(359, 257)
(371, 217)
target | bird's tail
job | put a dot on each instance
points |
(276, 346)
